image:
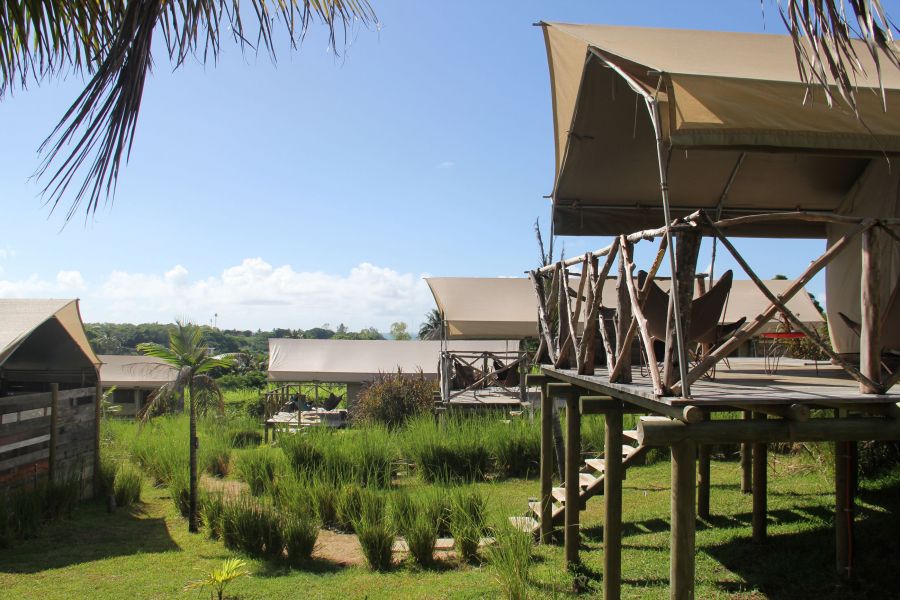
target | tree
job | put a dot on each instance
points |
(189, 354)
(112, 41)
(430, 329)
(398, 331)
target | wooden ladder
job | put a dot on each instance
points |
(590, 484)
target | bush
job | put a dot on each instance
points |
(467, 521)
(215, 456)
(212, 508)
(252, 528)
(392, 398)
(301, 529)
(348, 506)
(456, 450)
(259, 468)
(180, 490)
(127, 485)
(375, 533)
(511, 556)
(421, 535)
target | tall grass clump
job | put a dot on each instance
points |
(455, 450)
(348, 506)
(418, 519)
(467, 521)
(301, 530)
(212, 510)
(393, 398)
(252, 527)
(127, 485)
(511, 557)
(215, 456)
(26, 511)
(375, 532)
(363, 456)
(60, 497)
(179, 486)
(515, 446)
(259, 468)
(160, 447)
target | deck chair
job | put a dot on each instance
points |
(464, 375)
(332, 401)
(507, 375)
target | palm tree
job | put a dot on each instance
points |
(111, 42)
(187, 353)
(431, 327)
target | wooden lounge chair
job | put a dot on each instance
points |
(332, 401)
(465, 376)
(507, 375)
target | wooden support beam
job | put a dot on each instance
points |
(760, 487)
(703, 469)
(844, 508)
(598, 405)
(760, 321)
(686, 253)
(546, 465)
(660, 431)
(681, 565)
(96, 483)
(536, 379)
(792, 412)
(870, 322)
(639, 318)
(573, 464)
(54, 431)
(594, 314)
(746, 461)
(692, 414)
(612, 507)
(588, 343)
(623, 321)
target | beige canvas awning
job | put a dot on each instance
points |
(358, 361)
(486, 307)
(30, 331)
(135, 371)
(732, 114)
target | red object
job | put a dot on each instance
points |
(783, 335)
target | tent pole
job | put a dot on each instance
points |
(653, 106)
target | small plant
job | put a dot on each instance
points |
(467, 522)
(375, 532)
(301, 530)
(127, 485)
(511, 557)
(26, 507)
(421, 535)
(219, 578)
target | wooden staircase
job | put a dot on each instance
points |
(590, 484)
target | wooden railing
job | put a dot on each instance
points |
(570, 304)
(483, 362)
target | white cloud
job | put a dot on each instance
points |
(447, 164)
(66, 284)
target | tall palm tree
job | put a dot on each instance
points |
(431, 327)
(190, 356)
(111, 43)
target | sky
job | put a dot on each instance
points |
(323, 188)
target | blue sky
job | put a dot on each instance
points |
(321, 189)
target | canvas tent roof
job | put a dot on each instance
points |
(356, 361)
(21, 318)
(731, 110)
(486, 307)
(134, 371)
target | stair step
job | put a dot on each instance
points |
(627, 450)
(535, 508)
(559, 493)
(630, 434)
(597, 464)
(586, 480)
(526, 524)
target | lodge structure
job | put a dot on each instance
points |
(135, 379)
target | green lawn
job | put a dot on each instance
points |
(147, 552)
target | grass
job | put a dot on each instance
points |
(146, 551)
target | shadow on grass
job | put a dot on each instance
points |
(319, 566)
(91, 535)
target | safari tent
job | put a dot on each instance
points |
(135, 378)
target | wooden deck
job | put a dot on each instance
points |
(487, 398)
(745, 382)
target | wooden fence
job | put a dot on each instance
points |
(49, 435)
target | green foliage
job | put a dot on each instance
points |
(455, 450)
(127, 485)
(179, 485)
(511, 557)
(219, 578)
(431, 326)
(399, 332)
(364, 456)
(253, 380)
(467, 521)
(212, 509)
(375, 532)
(24, 510)
(215, 456)
(348, 506)
(393, 398)
(251, 527)
(61, 497)
(301, 529)
(515, 446)
(259, 468)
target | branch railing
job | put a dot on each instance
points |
(571, 309)
(483, 362)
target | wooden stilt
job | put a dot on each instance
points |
(612, 501)
(546, 465)
(843, 511)
(759, 488)
(623, 322)
(746, 462)
(703, 482)
(681, 566)
(687, 251)
(573, 463)
(870, 323)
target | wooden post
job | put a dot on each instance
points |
(687, 251)
(623, 322)
(573, 464)
(136, 397)
(95, 476)
(870, 323)
(703, 481)
(681, 565)
(759, 488)
(547, 447)
(746, 462)
(54, 420)
(612, 504)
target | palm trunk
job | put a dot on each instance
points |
(192, 511)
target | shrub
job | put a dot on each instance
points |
(421, 534)
(215, 456)
(392, 398)
(127, 485)
(375, 533)
(212, 508)
(259, 468)
(180, 491)
(467, 521)
(348, 506)
(301, 529)
(511, 557)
